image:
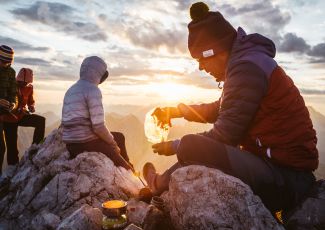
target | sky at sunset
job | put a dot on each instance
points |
(145, 45)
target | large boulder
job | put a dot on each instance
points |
(205, 198)
(48, 189)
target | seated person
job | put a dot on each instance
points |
(262, 132)
(83, 119)
(21, 116)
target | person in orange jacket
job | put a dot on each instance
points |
(22, 116)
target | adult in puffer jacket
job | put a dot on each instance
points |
(23, 116)
(83, 118)
(262, 131)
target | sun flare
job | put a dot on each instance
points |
(172, 92)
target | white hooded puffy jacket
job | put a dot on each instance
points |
(83, 113)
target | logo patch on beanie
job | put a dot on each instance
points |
(208, 53)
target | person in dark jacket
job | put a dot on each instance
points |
(23, 116)
(262, 131)
(7, 92)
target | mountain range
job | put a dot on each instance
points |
(130, 121)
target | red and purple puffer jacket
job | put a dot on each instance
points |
(260, 109)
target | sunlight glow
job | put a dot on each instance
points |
(171, 92)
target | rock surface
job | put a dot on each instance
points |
(205, 198)
(48, 187)
(85, 217)
(148, 216)
(137, 211)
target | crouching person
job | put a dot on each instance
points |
(22, 115)
(83, 119)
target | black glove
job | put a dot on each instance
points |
(164, 148)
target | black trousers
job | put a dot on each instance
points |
(99, 145)
(11, 136)
(278, 187)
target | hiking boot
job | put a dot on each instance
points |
(145, 195)
(149, 174)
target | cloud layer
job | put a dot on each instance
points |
(21, 46)
(129, 34)
(60, 17)
(270, 20)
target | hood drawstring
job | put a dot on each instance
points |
(220, 84)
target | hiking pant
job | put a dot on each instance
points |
(278, 187)
(99, 145)
(11, 134)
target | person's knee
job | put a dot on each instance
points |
(39, 121)
(185, 146)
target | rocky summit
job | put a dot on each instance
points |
(48, 190)
(47, 187)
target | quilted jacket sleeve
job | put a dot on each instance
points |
(244, 89)
(204, 113)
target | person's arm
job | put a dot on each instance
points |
(12, 90)
(204, 113)
(244, 89)
(165, 114)
(96, 112)
(31, 101)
